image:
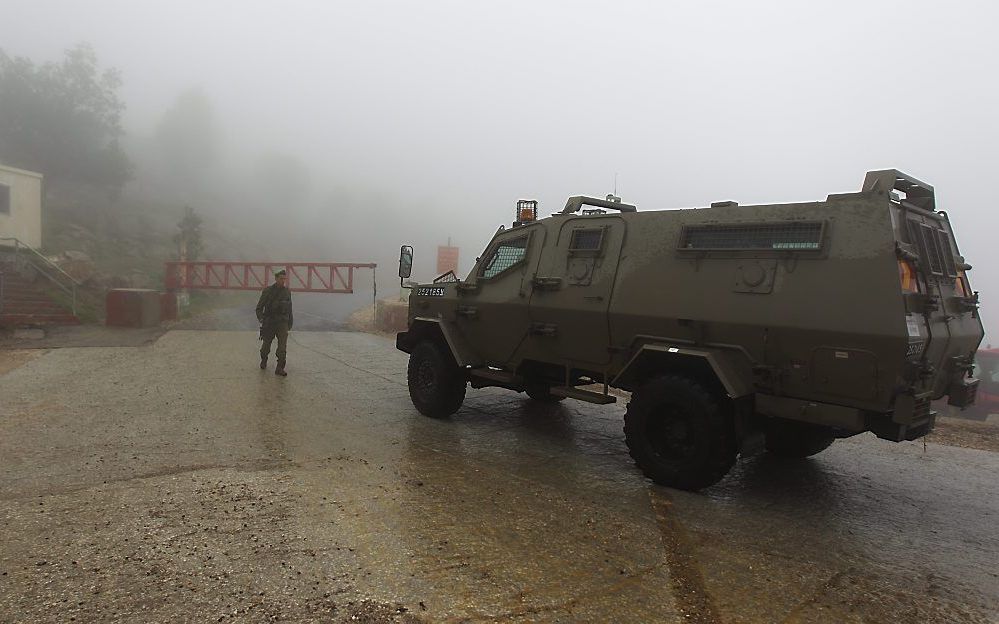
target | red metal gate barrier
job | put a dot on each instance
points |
(319, 277)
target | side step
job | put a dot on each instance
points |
(583, 395)
(485, 377)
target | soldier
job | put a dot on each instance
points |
(276, 319)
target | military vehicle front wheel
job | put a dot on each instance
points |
(790, 438)
(678, 433)
(436, 384)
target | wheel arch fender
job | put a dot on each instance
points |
(726, 369)
(422, 328)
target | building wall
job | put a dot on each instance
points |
(24, 221)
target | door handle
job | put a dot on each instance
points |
(544, 329)
(548, 283)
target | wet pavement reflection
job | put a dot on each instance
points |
(510, 510)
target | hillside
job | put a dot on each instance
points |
(124, 244)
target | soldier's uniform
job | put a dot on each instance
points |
(276, 319)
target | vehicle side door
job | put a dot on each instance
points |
(492, 312)
(573, 289)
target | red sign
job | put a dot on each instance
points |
(447, 259)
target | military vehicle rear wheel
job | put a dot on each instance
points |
(436, 384)
(790, 438)
(541, 392)
(678, 434)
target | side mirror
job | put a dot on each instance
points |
(405, 262)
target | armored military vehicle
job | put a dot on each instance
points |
(733, 327)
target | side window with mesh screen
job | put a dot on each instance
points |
(950, 268)
(786, 236)
(506, 255)
(586, 240)
(935, 248)
(4, 199)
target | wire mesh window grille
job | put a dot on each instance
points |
(934, 247)
(586, 240)
(446, 278)
(506, 255)
(791, 236)
(4, 199)
(947, 251)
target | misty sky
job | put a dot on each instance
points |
(456, 109)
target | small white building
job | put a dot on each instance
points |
(20, 207)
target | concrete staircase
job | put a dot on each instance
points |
(23, 303)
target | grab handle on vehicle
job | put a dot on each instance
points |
(548, 283)
(574, 204)
(544, 329)
(904, 252)
(917, 193)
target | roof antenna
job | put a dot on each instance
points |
(613, 196)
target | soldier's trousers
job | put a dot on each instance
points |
(272, 330)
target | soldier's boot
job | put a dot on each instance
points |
(280, 370)
(263, 362)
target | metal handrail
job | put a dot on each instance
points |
(69, 290)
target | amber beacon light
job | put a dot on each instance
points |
(527, 210)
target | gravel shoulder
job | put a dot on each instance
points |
(966, 433)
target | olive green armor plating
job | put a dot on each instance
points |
(783, 325)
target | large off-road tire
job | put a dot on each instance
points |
(790, 438)
(542, 392)
(436, 384)
(678, 434)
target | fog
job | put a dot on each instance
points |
(412, 122)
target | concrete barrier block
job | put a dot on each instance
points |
(133, 307)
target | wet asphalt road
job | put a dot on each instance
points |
(177, 482)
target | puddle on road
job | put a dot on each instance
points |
(442, 526)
